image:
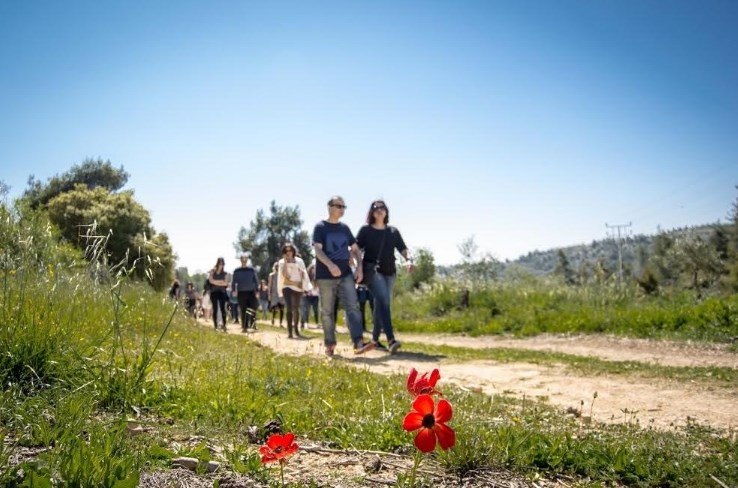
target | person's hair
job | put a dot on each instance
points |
(370, 215)
(219, 261)
(287, 246)
(189, 283)
(334, 198)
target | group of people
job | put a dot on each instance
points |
(350, 270)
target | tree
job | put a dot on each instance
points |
(123, 222)
(266, 234)
(475, 269)
(424, 270)
(91, 173)
(733, 247)
(563, 268)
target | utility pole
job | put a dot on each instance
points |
(619, 228)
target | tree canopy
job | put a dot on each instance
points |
(262, 240)
(87, 197)
(92, 173)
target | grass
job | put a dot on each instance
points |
(536, 307)
(84, 349)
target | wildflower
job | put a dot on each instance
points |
(278, 447)
(431, 420)
(425, 385)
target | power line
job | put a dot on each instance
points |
(619, 228)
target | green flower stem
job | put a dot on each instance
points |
(418, 459)
(281, 470)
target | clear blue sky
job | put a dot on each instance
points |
(527, 124)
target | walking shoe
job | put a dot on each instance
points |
(394, 346)
(363, 347)
(380, 347)
(330, 350)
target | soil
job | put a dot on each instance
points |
(658, 402)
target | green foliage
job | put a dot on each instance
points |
(538, 306)
(84, 215)
(91, 174)
(266, 234)
(477, 270)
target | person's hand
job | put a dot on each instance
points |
(335, 271)
(359, 275)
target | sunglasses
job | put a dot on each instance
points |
(338, 205)
(379, 207)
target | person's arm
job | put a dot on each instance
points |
(323, 258)
(280, 277)
(356, 252)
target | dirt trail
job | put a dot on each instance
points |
(660, 403)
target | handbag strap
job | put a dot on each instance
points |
(381, 245)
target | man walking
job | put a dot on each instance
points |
(334, 244)
(246, 284)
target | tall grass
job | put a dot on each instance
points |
(536, 307)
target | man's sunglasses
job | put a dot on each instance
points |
(338, 205)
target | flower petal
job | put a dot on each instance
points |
(434, 377)
(426, 440)
(423, 404)
(411, 380)
(412, 421)
(274, 441)
(446, 435)
(287, 439)
(444, 412)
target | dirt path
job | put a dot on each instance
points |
(660, 403)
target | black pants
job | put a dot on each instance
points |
(247, 304)
(219, 298)
(292, 300)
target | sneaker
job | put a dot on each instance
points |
(364, 347)
(380, 347)
(394, 346)
(330, 350)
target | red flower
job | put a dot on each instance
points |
(432, 424)
(425, 385)
(278, 447)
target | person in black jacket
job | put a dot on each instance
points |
(246, 284)
(379, 240)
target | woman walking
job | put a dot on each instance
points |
(292, 283)
(218, 294)
(379, 240)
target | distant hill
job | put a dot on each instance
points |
(606, 250)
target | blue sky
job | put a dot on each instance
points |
(526, 124)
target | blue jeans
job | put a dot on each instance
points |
(381, 287)
(345, 289)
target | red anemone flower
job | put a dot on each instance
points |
(278, 447)
(431, 421)
(425, 385)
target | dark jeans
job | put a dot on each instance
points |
(365, 296)
(247, 304)
(292, 300)
(381, 287)
(309, 302)
(219, 298)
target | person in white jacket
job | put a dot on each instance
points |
(292, 282)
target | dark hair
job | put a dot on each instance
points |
(287, 246)
(370, 215)
(219, 261)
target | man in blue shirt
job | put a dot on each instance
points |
(334, 244)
